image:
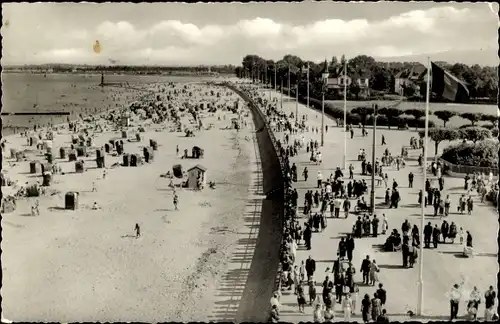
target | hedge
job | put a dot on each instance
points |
(481, 154)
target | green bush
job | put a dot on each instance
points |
(381, 120)
(353, 119)
(482, 154)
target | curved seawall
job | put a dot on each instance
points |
(261, 282)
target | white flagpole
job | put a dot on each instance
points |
(307, 84)
(275, 78)
(297, 99)
(289, 80)
(420, 300)
(345, 114)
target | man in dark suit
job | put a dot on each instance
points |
(310, 268)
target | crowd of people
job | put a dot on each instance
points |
(331, 196)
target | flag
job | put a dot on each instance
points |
(446, 85)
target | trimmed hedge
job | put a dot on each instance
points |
(481, 154)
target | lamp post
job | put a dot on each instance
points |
(372, 196)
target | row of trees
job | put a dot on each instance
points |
(469, 133)
(482, 81)
(394, 117)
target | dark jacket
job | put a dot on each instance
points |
(310, 265)
(365, 265)
(382, 295)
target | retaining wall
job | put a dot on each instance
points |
(264, 270)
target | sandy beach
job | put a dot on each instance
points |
(87, 265)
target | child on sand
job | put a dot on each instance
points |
(176, 201)
(137, 231)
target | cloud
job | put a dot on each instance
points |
(180, 42)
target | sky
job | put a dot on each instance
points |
(209, 34)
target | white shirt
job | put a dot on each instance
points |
(320, 176)
(328, 188)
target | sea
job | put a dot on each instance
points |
(77, 94)
(81, 94)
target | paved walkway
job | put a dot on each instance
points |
(443, 267)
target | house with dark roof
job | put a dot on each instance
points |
(337, 80)
(408, 77)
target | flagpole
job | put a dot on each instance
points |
(275, 77)
(297, 101)
(307, 84)
(288, 80)
(324, 78)
(281, 94)
(345, 114)
(420, 300)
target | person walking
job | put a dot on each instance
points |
(355, 296)
(365, 269)
(347, 206)
(318, 314)
(366, 308)
(374, 270)
(436, 232)
(347, 307)
(385, 224)
(410, 180)
(489, 303)
(455, 297)
(137, 230)
(350, 245)
(312, 292)
(301, 298)
(376, 309)
(176, 201)
(382, 294)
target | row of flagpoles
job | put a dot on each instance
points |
(438, 81)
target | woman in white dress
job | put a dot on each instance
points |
(347, 307)
(318, 314)
(374, 269)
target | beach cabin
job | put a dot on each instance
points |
(125, 119)
(194, 173)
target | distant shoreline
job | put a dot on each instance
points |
(117, 73)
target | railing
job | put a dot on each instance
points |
(454, 170)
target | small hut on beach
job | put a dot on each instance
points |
(196, 174)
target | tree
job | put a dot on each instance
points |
(490, 118)
(417, 113)
(444, 115)
(472, 117)
(354, 89)
(363, 112)
(391, 114)
(474, 133)
(438, 134)
(380, 79)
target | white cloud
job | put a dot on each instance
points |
(182, 42)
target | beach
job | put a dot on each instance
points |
(88, 265)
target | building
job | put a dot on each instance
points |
(408, 77)
(338, 80)
(194, 173)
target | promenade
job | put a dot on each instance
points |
(443, 266)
